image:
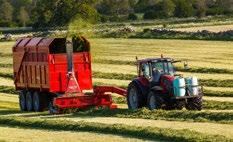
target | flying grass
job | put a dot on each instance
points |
(149, 133)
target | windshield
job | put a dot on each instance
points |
(163, 67)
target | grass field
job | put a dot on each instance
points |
(113, 64)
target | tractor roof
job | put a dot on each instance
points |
(155, 60)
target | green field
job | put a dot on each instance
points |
(113, 64)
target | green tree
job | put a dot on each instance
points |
(18, 4)
(23, 16)
(225, 5)
(162, 9)
(114, 7)
(183, 8)
(143, 5)
(168, 8)
(61, 12)
(6, 11)
(201, 8)
(43, 12)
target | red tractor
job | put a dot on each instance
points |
(158, 87)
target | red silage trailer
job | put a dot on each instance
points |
(43, 78)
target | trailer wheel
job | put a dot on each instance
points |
(154, 101)
(38, 101)
(194, 104)
(134, 97)
(29, 101)
(22, 101)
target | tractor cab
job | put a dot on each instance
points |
(153, 69)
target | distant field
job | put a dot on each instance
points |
(113, 64)
(211, 28)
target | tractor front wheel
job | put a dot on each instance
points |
(194, 104)
(154, 101)
(134, 96)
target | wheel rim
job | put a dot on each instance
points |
(152, 102)
(133, 98)
(29, 101)
(36, 102)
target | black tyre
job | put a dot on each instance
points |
(22, 101)
(154, 101)
(134, 97)
(194, 103)
(38, 101)
(29, 101)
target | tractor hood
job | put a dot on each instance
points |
(169, 78)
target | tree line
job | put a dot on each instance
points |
(53, 13)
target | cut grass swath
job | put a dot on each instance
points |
(203, 82)
(114, 62)
(207, 104)
(217, 105)
(149, 133)
(6, 75)
(205, 70)
(8, 89)
(216, 83)
(118, 76)
(192, 70)
(10, 111)
(5, 65)
(218, 93)
(177, 115)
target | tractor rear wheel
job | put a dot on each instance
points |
(194, 104)
(154, 101)
(22, 101)
(29, 101)
(134, 97)
(38, 101)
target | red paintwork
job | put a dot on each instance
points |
(58, 71)
(144, 81)
(166, 81)
(98, 98)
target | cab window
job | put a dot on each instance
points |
(145, 70)
(157, 66)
